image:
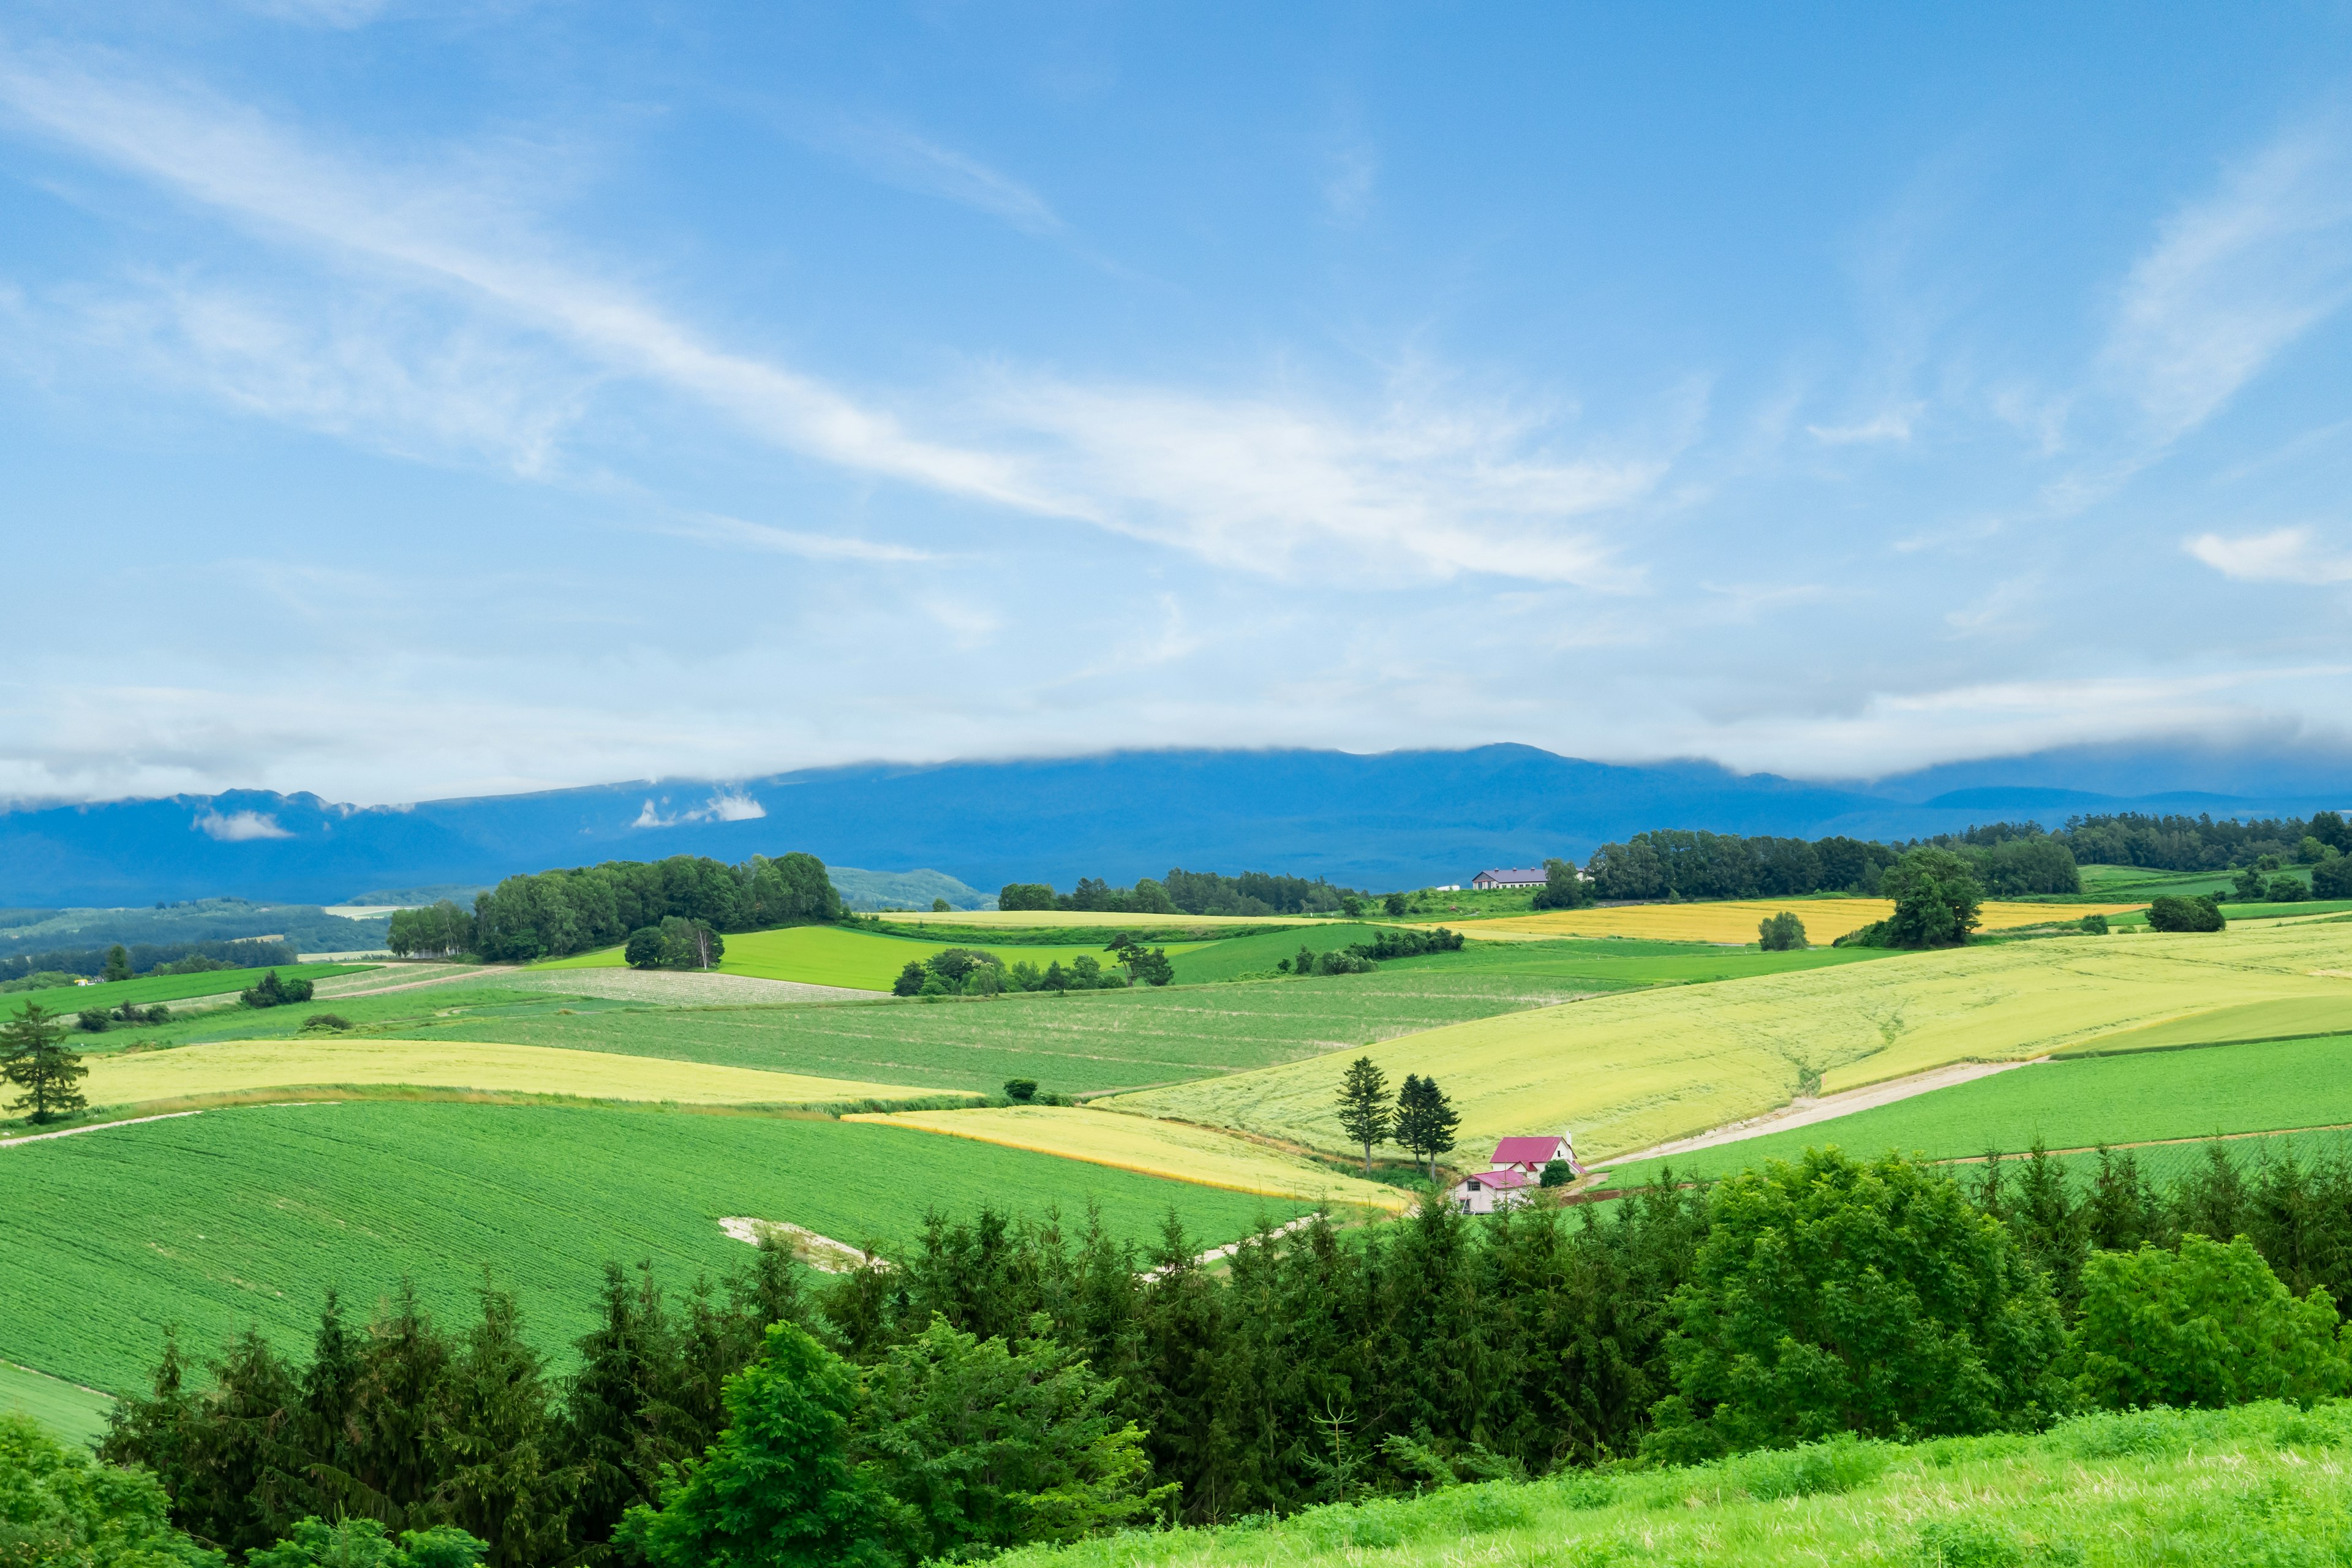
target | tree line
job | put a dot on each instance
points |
(2203, 843)
(63, 966)
(1012, 1381)
(1191, 893)
(551, 914)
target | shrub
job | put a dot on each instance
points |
(1875, 934)
(1556, 1174)
(910, 978)
(272, 991)
(2210, 1325)
(91, 1020)
(1387, 943)
(2171, 911)
(2331, 878)
(1023, 1088)
(335, 1021)
(645, 948)
(1344, 961)
(1782, 932)
(2288, 890)
(58, 1505)
(2097, 925)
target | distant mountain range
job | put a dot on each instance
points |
(1398, 819)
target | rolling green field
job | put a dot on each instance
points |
(1084, 1042)
(1625, 1071)
(2280, 1020)
(2074, 1104)
(2127, 884)
(149, 989)
(73, 1415)
(2261, 1484)
(834, 955)
(246, 1215)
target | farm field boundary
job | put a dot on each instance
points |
(193, 1073)
(75, 1415)
(148, 989)
(2132, 1100)
(1641, 1068)
(1735, 920)
(831, 955)
(1154, 1147)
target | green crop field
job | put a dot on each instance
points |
(2126, 884)
(248, 1215)
(1084, 1042)
(835, 955)
(74, 1414)
(2263, 1484)
(149, 989)
(2074, 1104)
(1629, 1070)
(2281, 1018)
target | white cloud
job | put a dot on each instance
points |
(240, 826)
(1267, 484)
(2235, 278)
(898, 156)
(1425, 490)
(712, 527)
(724, 805)
(2282, 555)
(1894, 425)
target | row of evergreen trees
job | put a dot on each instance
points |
(1014, 1381)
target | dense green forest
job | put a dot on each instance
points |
(2011, 859)
(550, 914)
(938, 1403)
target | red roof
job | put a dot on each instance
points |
(1498, 1180)
(1527, 1152)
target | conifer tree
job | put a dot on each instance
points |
(498, 1474)
(33, 1056)
(1365, 1113)
(1425, 1121)
(776, 1489)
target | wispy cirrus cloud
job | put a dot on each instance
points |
(897, 155)
(2282, 555)
(1265, 483)
(2235, 278)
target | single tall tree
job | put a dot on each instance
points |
(1365, 1113)
(1425, 1121)
(118, 963)
(33, 1056)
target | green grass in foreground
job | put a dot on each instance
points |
(248, 1215)
(1084, 1042)
(2073, 1103)
(2261, 1484)
(151, 988)
(74, 1416)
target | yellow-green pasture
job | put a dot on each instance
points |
(1153, 1148)
(1625, 1071)
(244, 1068)
(836, 955)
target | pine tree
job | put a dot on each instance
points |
(33, 1056)
(776, 1490)
(118, 963)
(2050, 1228)
(494, 1443)
(1365, 1113)
(330, 1393)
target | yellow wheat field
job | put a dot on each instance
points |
(1826, 919)
(1624, 1071)
(982, 920)
(1155, 1148)
(241, 1067)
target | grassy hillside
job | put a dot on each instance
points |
(248, 1215)
(73, 1415)
(148, 989)
(1078, 1043)
(245, 1067)
(835, 955)
(2072, 1104)
(1627, 1070)
(2259, 1484)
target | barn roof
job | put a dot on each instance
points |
(1526, 1151)
(1497, 1181)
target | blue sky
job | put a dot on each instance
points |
(407, 400)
